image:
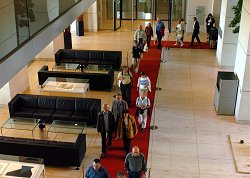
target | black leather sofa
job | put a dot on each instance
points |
(49, 108)
(52, 152)
(84, 57)
(97, 81)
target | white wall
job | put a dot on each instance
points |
(18, 84)
(191, 12)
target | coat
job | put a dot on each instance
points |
(132, 128)
(101, 124)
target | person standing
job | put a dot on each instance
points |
(140, 37)
(209, 23)
(179, 34)
(105, 126)
(196, 30)
(160, 27)
(126, 82)
(142, 104)
(143, 84)
(126, 129)
(96, 170)
(136, 57)
(135, 164)
(149, 33)
(118, 106)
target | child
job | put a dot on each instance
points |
(136, 56)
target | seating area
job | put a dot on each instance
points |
(49, 108)
(52, 152)
(97, 81)
(85, 57)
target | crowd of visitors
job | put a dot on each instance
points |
(118, 121)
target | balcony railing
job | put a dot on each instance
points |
(22, 19)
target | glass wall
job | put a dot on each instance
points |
(26, 18)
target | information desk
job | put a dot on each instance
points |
(19, 166)
(19, 123)
(68, 85)
(58, 129)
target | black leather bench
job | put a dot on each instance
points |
(49, 108)
(52, 152)
(85, 57)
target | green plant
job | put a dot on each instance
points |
(237, 12)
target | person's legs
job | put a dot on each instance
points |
(134, 174)
(109, 138)
(144, 119)
(198, 39)
(128, 94)
(192, 41)
(103, 142)
(140, 119)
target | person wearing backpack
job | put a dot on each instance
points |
(125, 78)
(143, 105)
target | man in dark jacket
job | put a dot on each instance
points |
(105, 126)
(196, 31)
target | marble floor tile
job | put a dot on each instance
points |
(211, 151)
(214, 166)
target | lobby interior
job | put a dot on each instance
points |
(191, 141)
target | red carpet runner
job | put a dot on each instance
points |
(114, 158)
(170, 44)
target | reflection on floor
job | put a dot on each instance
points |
(191, 140)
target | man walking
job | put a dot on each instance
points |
(135, 163)
(105, 126)
(160, 27)
(96, 170)
(196, 30)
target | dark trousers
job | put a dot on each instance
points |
(148, 41)
(159, 37)
(195, 35)
(126, 143)
(104, 140)
(134, 174)
(126, 92)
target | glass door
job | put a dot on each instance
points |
(117, 14)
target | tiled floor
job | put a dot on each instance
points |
(191, 140)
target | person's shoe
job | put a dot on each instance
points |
(139, 125)
(142, 130)
(175, 44)
(115, 138)
(182, 45)
(109, 147)
(102, 155)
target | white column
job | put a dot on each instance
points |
(90, 18)
(242, 66)
(227, 40)
(216, 11)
